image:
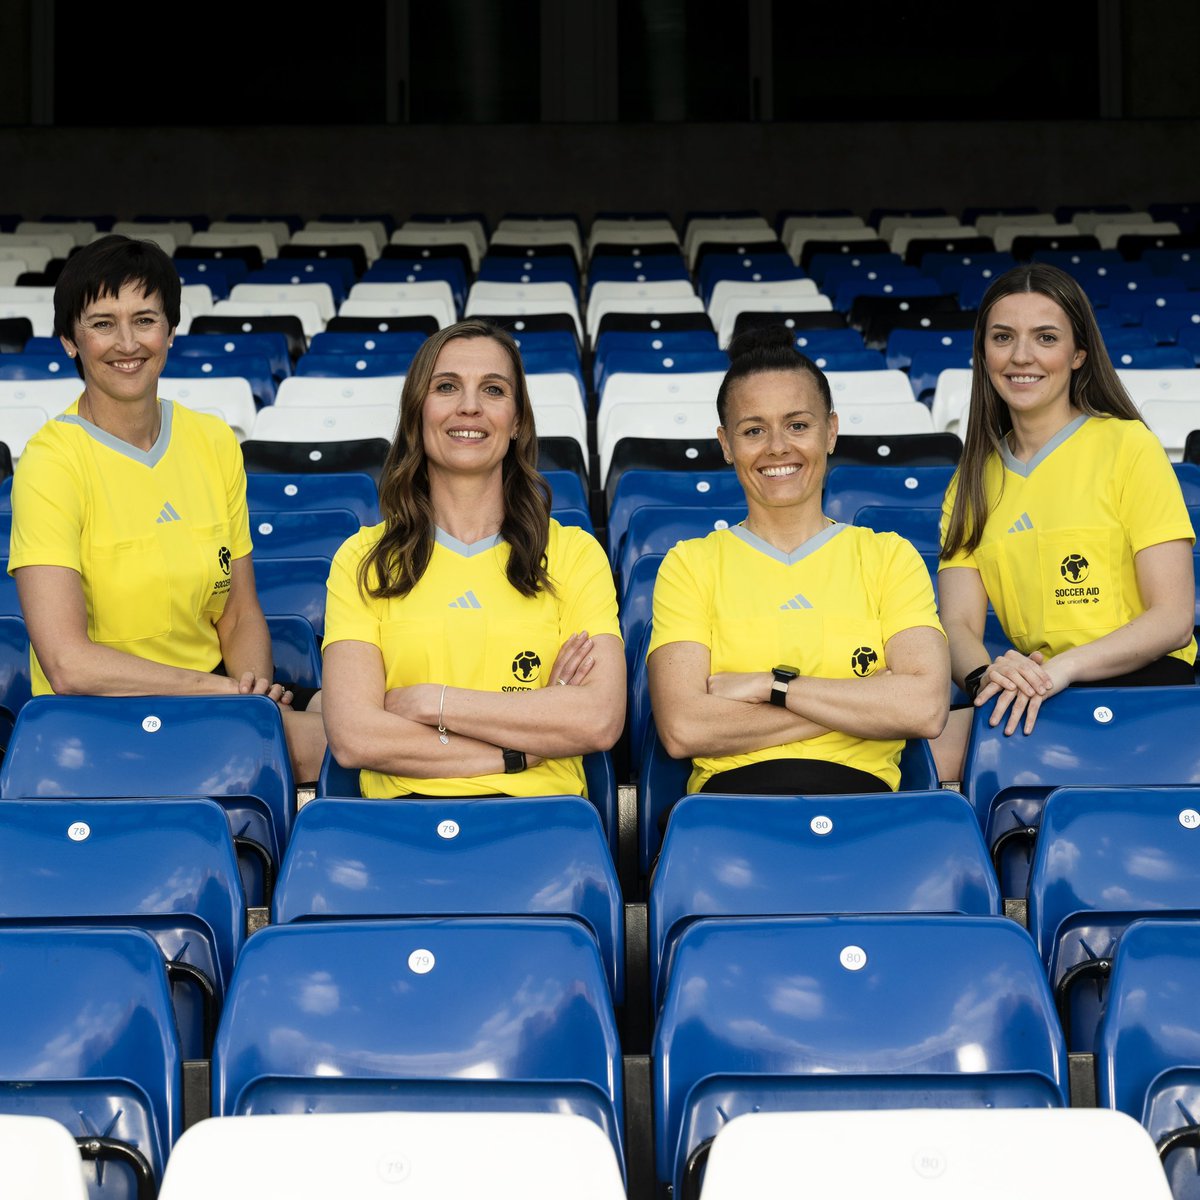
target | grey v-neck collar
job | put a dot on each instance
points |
(462, 549)
(802, 551)
(1026, 469)
(148, 458)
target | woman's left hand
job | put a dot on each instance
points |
(751, 687)
(1019, 705)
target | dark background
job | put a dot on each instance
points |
(584, 105)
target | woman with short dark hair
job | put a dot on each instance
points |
(130, 539)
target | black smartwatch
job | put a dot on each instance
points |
(974, 681)
(783, 676)
(514, 761)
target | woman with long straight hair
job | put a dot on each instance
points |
(471, 644)
(1064, 514)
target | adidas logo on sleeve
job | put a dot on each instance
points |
(1021, 525)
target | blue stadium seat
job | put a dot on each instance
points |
(637, 604)
(566, 490)
(544, 856)
(1188, 475)
(219, 275)
(638, 488)
(662, 781)
(920, 526)
(1167, 321)
(1153, 358)
(294, 585)
(756, 268)
(803, 1013)
(579, 517)
(10, 605)
(421, 270)
(653, 362)
(488, 1014)
(748, 856)
(1104, 857)
(298, 533)
(360, 344)
(1084, 737)
(340, 782)
(294, 650)
(849, 360)
(271, 346)
(255, 369)
(903, 345)
(815, 342)
(230, 748)
(354, 490)
(911, 283)
(849, 488)
(548, 268)
(343, 366)
(172, 873)
(89, 1041)
(646, 268)
(14, 671)
(337, 274)
(927, 366)
(1148, 1061)
(845, 266)
(654, 529)
(672, 342)
(36, 366)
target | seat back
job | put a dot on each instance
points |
(1104, 857)
(89, 1041)
(653, 529)
(1046, 1153)
(1148, 1061)
(294, 585)
(230, 748)
(40, 1160)
(729, 856)
(354, 490)
(1084, 737)
(109, 862)
(850, 487)
(483, 1014)
(380, 858)
(299, 533)
(802, 1013)
(506, 1156)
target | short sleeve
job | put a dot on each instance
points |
(1150, 500)
(233, 470)
(962, 557)
(584, 583)
(47, 510)
(906, 596)
(349, 615)
(680, 611)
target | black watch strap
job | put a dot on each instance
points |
(974, 681)
(514, 761)
(782, 675)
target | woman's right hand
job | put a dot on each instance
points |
(1014, 672)
(574, 661)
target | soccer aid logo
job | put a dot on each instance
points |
(863, 661)
(1074, 568)
(526, 666)
(223, 558)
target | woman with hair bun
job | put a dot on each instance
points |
(471, 644)
(792, 654)
(1064, 513)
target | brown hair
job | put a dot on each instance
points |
(396, 563)
(1095, 386)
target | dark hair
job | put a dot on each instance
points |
(1095, 389)
(103, 268)
(768, 348)
(396, 563)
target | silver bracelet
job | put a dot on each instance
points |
(443, 736)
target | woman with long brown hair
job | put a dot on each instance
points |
(1064, 513)
(471, 644)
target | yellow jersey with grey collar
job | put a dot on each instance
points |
(465, 625)
(828, 608)
(152, 533)
(1057, 554)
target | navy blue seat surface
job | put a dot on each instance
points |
(801, 1013)
(1148, 1059)
(89, 1041)
(850, 487)
(295, 650)
(269, 492)
(401, 858)
(1104, 858)
(296, 533)
(294, 584)
(172, 873)
(230, 748)
(1084, 737)
(728, 856)
(494, 1014)
(654, 529)
(920, 526)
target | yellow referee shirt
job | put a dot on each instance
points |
(828, 608)
(1057, 555)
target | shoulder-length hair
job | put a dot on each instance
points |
(1095, 389)
(398, 560)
